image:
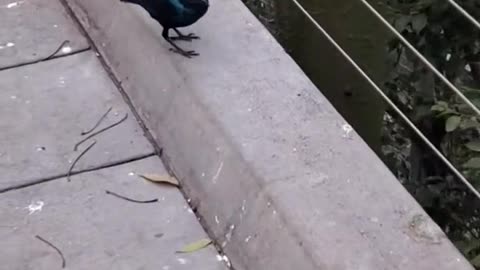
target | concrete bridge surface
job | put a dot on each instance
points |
(267, 168)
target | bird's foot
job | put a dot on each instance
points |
(188, 37)
(187, 54)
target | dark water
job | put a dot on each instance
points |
(355, 29)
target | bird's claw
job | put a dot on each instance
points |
(188, 37)
(187, 54)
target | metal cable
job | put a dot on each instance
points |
(464, 13)
(387, 99)
(419, 55)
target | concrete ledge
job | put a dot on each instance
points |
(260, 151)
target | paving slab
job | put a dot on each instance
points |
(99, 231)
(34, 29)
(44, 108)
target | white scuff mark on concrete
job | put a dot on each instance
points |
(374, 220)
(13, 97)
(347, 129)
(228, 235)
(55, 25)
(244, 207)
(224, 259)
(190, 211)
(217, 174)
(182, 261)
(10, 44)
(13, 4)
(66, 49)
(217, 220)
(247, 239)
(27, 101)
(35, 206)
(131, 174)
(203, 174)
(166, 267)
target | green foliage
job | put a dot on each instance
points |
(451, 43)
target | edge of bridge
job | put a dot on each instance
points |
(277, 177)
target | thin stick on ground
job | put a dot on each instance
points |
(54, 247)
(128, 199)
(100, 131)
(77, 159)
(56, 51)
(97, 124)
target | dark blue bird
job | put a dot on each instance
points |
(173, 14)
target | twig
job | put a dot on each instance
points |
(56, 51)
(100, 131)
(97, 124)
(78, 158)
(54, 247)
(128, 199)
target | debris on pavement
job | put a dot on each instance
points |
(65, 42)
(195, 246)
(54, 247)
(128, 199)
(162, 179)
(77, 159)
(97, 124)
(100, 131)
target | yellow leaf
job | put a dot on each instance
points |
(162, 179)
(195, 246)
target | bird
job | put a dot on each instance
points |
(173, 14)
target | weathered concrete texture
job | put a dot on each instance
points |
(99, 231)
(273, 168)
(33, 29)
(44, 108)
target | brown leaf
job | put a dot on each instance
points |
(195, 246)
(161, 179)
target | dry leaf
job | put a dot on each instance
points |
(195, 246)
(163, 179)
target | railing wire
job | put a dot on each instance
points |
(464, 13)
(387, 99)
(419, 55)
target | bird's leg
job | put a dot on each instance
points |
(184, 37)
(176, 48)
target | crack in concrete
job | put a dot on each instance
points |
(63, 175)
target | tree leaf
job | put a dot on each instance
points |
(469, 123)
(476, 261)
(419, 22)
(473, 163)
(195, 246)
(162, 179)
(473, 145)
(452, 123)
(438, 108)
